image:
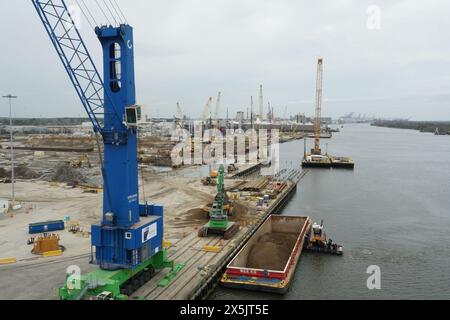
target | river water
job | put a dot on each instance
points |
(393, 211)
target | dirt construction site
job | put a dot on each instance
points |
(60, 183)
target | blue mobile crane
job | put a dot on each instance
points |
(127, 244)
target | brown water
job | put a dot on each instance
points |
(393, 211)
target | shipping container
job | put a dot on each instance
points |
(48, 226)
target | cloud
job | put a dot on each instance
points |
(188, 50)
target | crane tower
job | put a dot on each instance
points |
(317, 122)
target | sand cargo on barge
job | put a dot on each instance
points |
(269, 259)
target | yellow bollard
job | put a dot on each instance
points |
(213, 249)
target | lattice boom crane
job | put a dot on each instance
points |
(128, 243)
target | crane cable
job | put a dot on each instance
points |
(89, 12)
(84, 14)
(110, 12)
(120, 10)
(104, 14)
(117, 13)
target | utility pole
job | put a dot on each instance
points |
(10, 97)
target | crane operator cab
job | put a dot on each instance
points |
(133, 116)
(318, 235)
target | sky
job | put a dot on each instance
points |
(388, 58)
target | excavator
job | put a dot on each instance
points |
(81, 161)
(218, 222)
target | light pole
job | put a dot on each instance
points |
(10, 97)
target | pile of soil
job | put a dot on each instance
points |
(198, 214)
(4, 173)
(22, 172)
(66, 174)
(272, 251)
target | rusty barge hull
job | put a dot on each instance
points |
(241, 272)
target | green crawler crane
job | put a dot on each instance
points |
(218, 223)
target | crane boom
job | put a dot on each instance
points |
(207, 109)
(317, 122)
(180, 115)
(75, 57)
(261, 104)
(218, 106)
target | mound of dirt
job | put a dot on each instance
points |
(66, 174)
(4, 173)
(198, 214)
(272, 251)
(22, 172)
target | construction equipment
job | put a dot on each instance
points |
(216, 116)
(219, 223)
(317, 120)
(252, 115)
(208, 181)
(206, 110)
(46, 243)
(127, 244)
(316, 159)
(214, 174)
(261, 104)
(81, 161)
(181, 116)
(232, 168)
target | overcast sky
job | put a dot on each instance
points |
(188, 50)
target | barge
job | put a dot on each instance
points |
(342, 163)
(316, 161)
(321, 161)
(269, 259)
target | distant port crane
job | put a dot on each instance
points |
(316, 159)
(317, 121)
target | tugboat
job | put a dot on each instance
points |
(316, 241)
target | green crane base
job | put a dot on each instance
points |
(112, 285)
(227, 232)
(171, 275)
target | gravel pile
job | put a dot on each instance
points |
(272, 251)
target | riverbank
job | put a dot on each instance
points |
(441, 127)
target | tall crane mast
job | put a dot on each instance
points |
(252, 117)
(129, 237)
(218, 106)
(207, 109)
(180, 115)
(317, 122)
(261, 104)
